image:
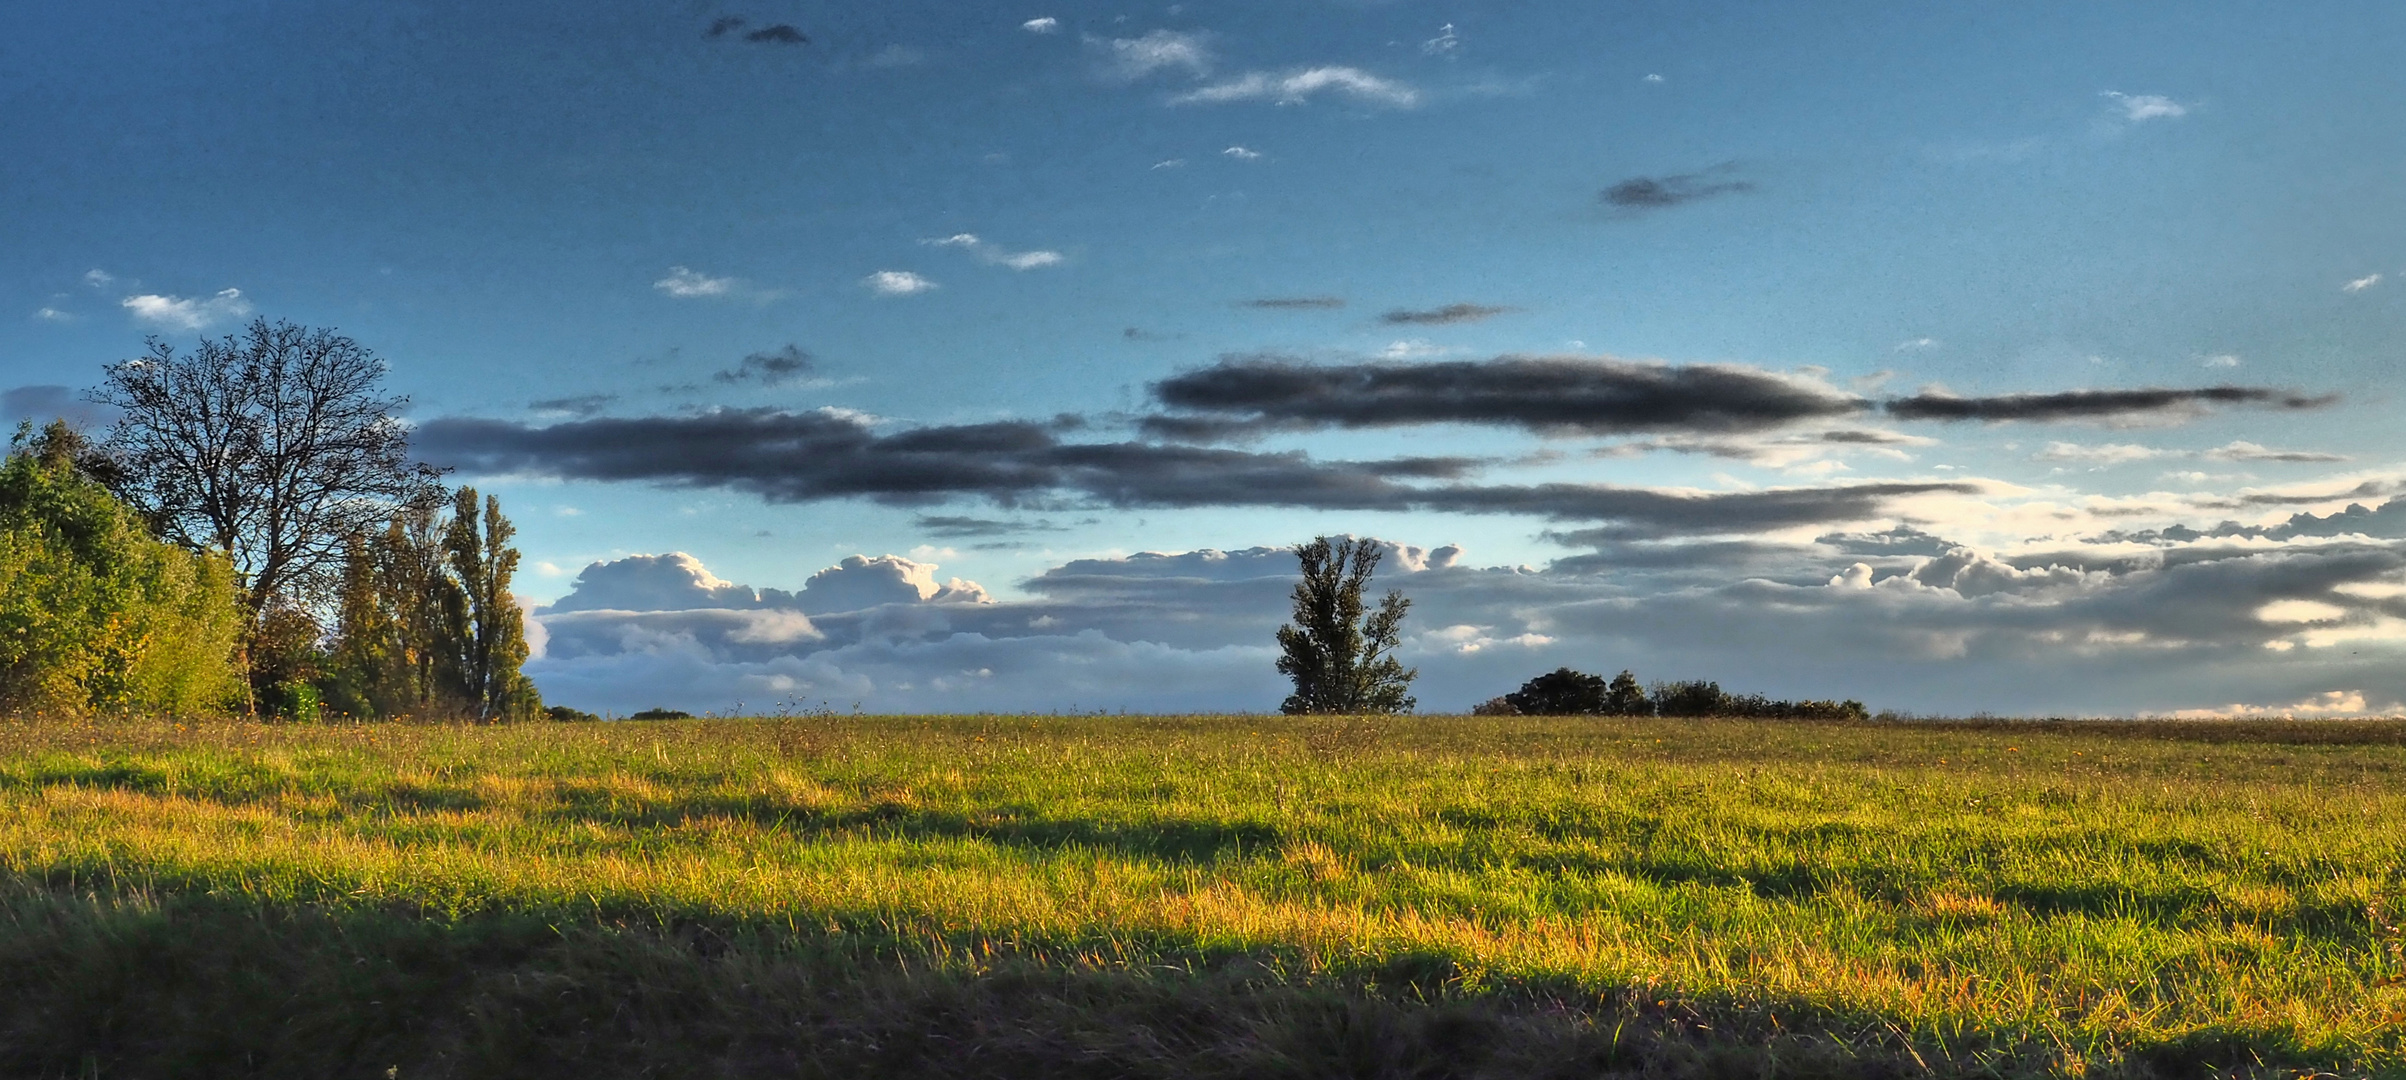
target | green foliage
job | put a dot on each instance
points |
(1341, 660)
(564, 715)
(662, 714)
(1561, 692)
(426, 625)
(95, 614)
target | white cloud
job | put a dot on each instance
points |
(999, 256)
(1653, 78)
(685, 284)
(2242, 450)
(2361, 284)
(1908, 620)
(1297, 87)
(1171, 163)
(99, 279)
(2139, 108)
(1916, 344)
(1045, 25)
(51, 314)
(897, 283)
(2327, 703)
(1162, 50)
(1241, 154)
(1443, 44)
(1411, 349)
(179, 313)
(2222, 360)
(2105, 454)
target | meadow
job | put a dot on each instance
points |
(1203, 896)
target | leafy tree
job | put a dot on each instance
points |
(1561, 692)
(1340, 659)
(1626, 698)
(494, 643)
(96, 614)
(426, 625)
(272, 448)
(1696, 697)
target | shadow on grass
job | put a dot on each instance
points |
(192, 986)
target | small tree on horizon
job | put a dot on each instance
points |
(1340, 658)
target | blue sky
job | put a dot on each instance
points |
(552, 217)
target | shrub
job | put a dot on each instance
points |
(96, 614)
(1695, 697)
(565, 715)
(662, 714)
(1496, 706)
(1560, 692)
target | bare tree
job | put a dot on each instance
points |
(1341, 659)
(275, 447)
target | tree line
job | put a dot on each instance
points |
(1340, 654)
(252, 536)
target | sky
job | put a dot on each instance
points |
(2020, 359)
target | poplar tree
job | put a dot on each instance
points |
(493, 644)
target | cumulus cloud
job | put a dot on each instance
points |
(181, 313)
(51, 314)
(1558, 394)
(778, 368)
(2361, 284)
(2326, 704)
(1300, 86)
(1444, 316)
(1948, 628)
(1240, 153)
(996, 254)
(2141, 403)
(1044, 25)
(897, 283)
(793, 457)
(1641, 193)
(1130, 59)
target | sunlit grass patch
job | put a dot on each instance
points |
(2050, 899)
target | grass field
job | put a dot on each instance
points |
(1203, 896)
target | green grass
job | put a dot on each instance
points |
(1239, 896)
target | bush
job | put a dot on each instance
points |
(662, 714)
(96, 614)
(1560, 692)
(1695, 697)
(1496, 706)
(565, 715)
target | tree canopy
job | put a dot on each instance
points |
(1341, 659)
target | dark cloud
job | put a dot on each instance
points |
(1296, 303)
(580, 406)
(1248, 395)
(952, 527)
(794, 457)
(45, 402)
(780, 34)
(2095, 404)
(1639, 193)
(1645, 512)
(1447, 315)
(785, 365)
(720, 27)
(2386, 522)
